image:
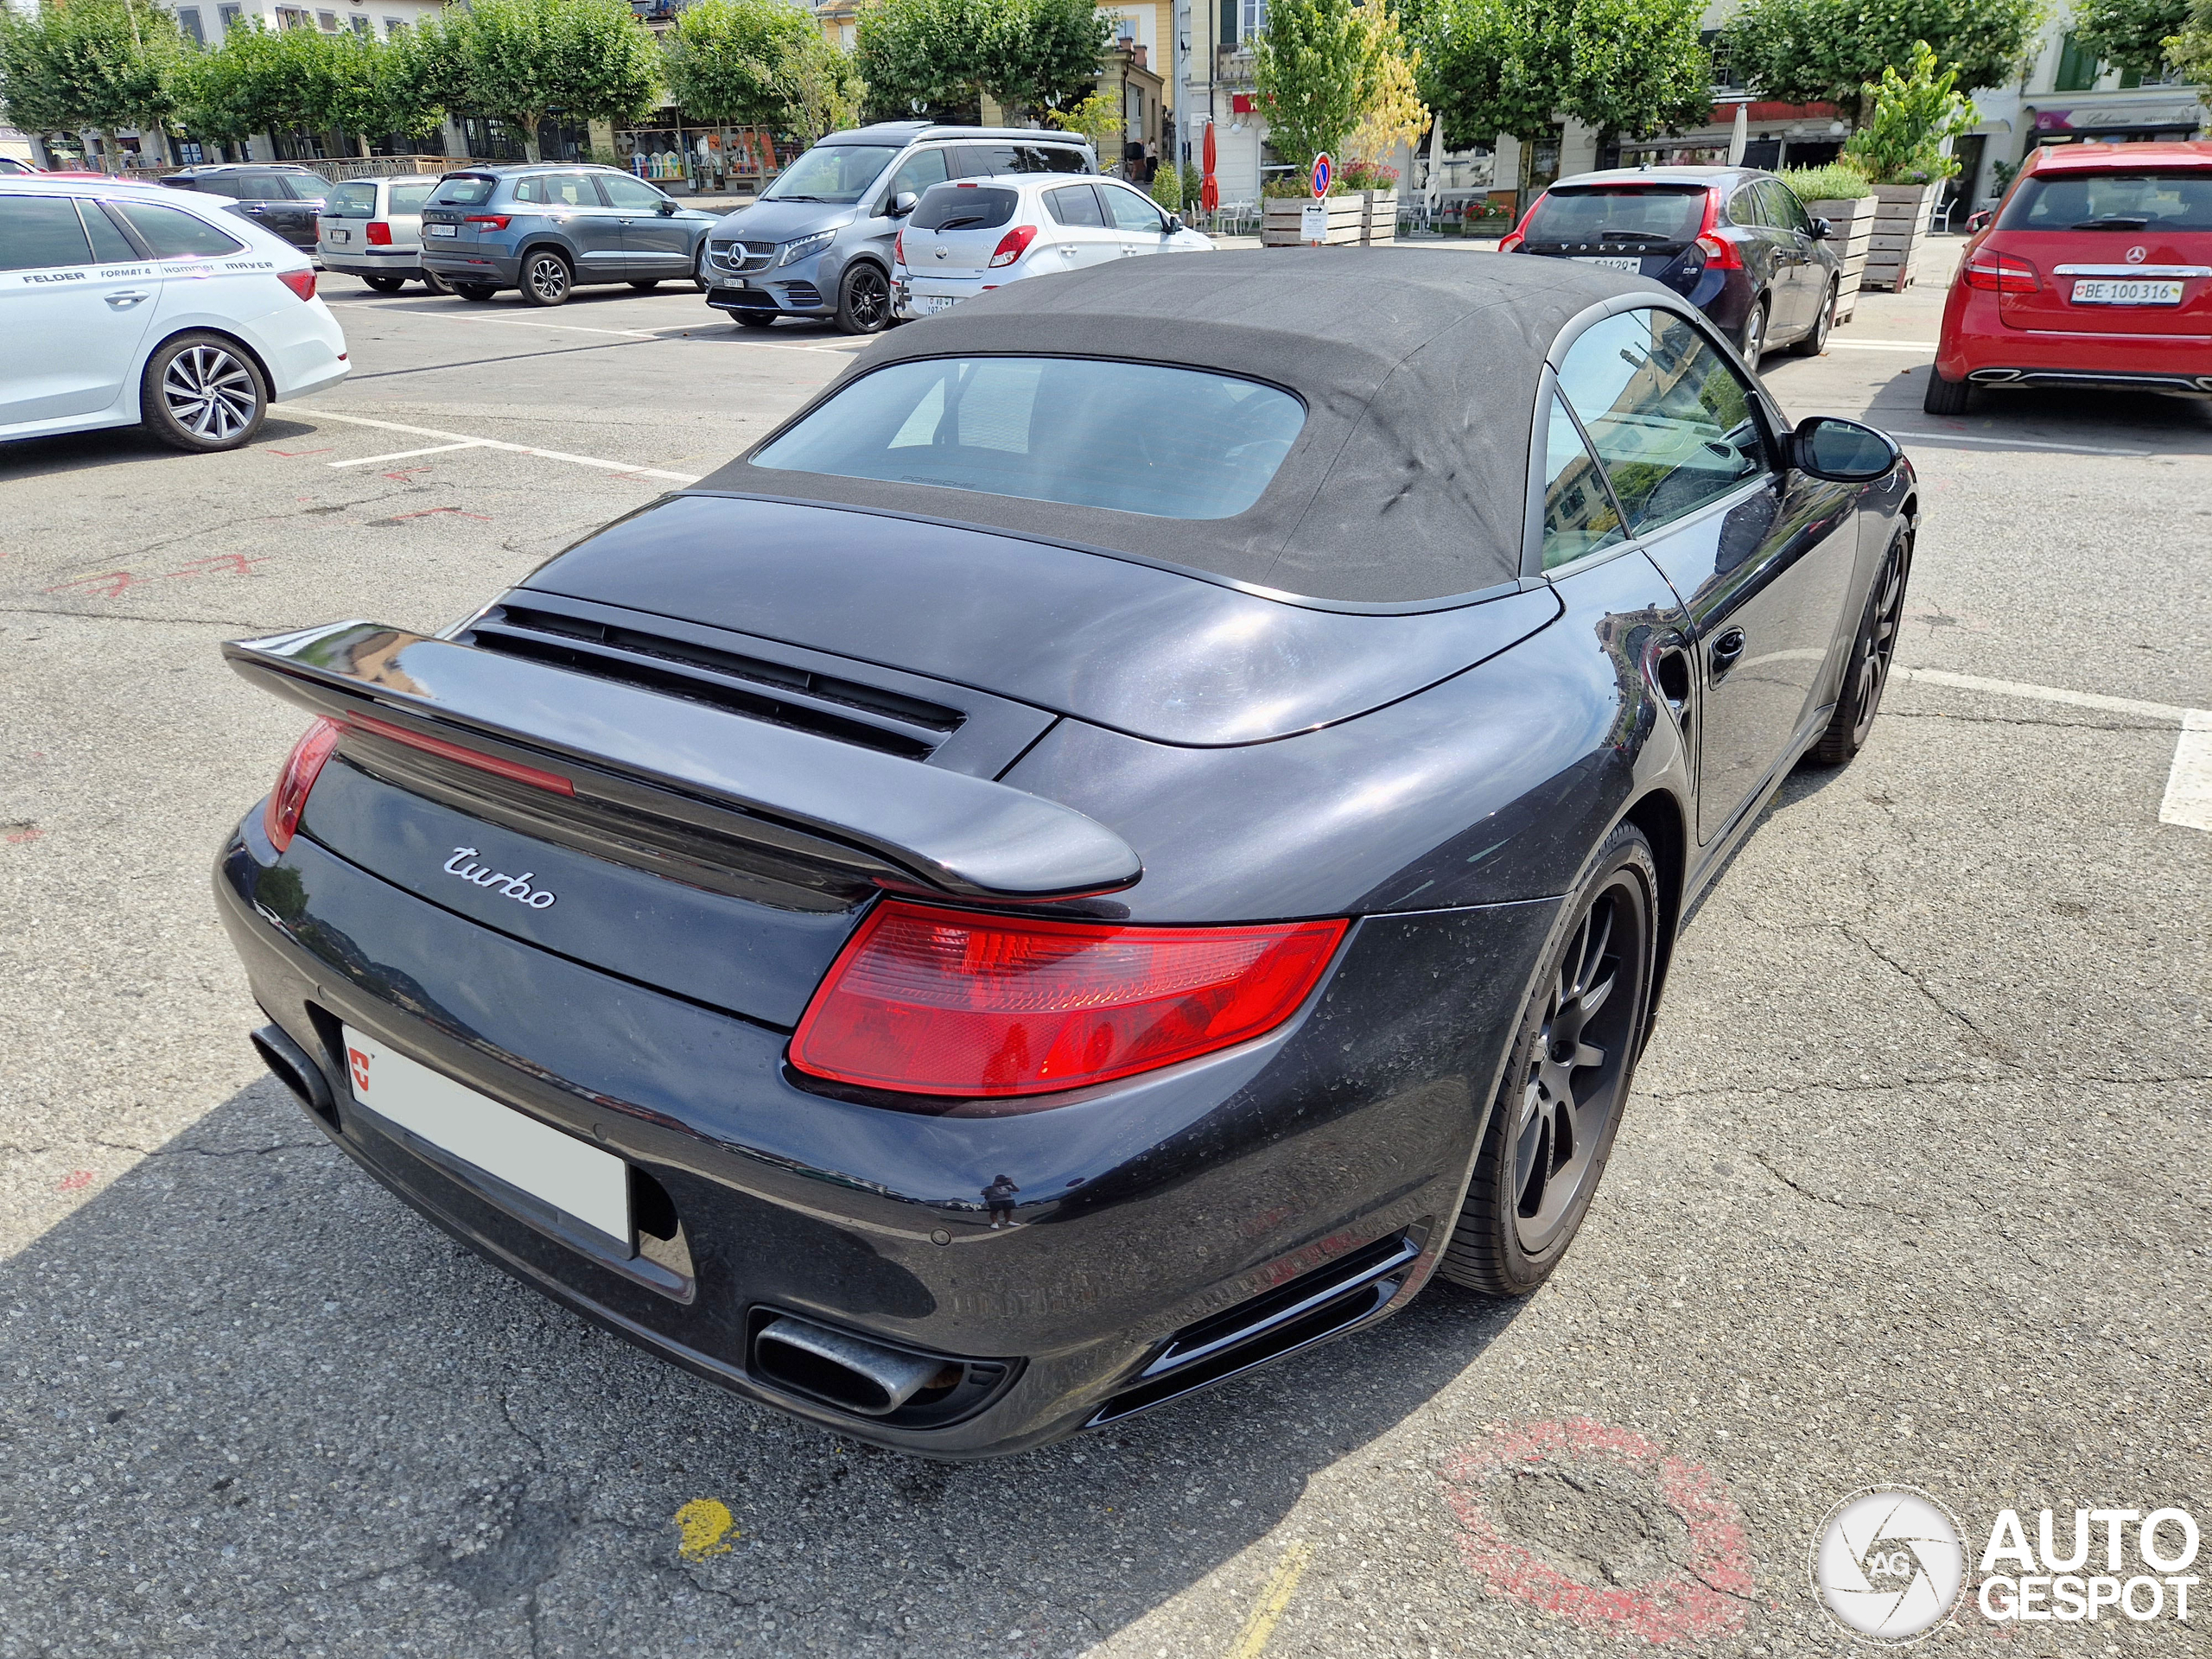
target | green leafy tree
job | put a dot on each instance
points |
(1830, 51)
(2191, 50)
(1042, 54)
(2130, 35)
(821, 88)
(522, 60)
(1492, 67)
(1313, 69)
(93, 65)
(1098, 119)
(1914, 114)
(941, 57)
(725, 59)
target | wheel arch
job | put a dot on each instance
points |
(541, 240)
(1660, 815)
(227, 335)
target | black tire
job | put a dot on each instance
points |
(386, 285)
(748, 320)
(700, 280)
(203, 393)
(644, 284)
(1945, 396)
(436, 283)
(1867, 671)
(547, 278)
(1750, 339)
(475, 293)
(1552, 1127)
(863, 299)
(1817, 341)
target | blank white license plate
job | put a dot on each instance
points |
(1627, 262)
(2121, 292)
(341, 236)
(575, 1178)
(445, 230)
(935, 303)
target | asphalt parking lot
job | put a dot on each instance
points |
(1914, 1187)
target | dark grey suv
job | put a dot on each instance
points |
(285, 199)
(546, 229)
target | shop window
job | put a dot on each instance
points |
(2077, 69)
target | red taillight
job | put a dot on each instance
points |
(1013, 244)
(1510, 242)
(280, 814)
(2002, 273)
(949, 1002)
(301, 282)
(497, 221)
(1720, 253)
(379, 233)
(898, 249)
(512, 770)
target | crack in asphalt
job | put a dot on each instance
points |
(2024, 720)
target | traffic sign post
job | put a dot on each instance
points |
(1313, 221)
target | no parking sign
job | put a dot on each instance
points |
(1321, 173)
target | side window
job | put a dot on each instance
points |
(354, 199)
(630, 195)
(252, 186)
(39, 232)
(1673, 423)
(1743, 206)
(1580, 516)
(1783, 206)
(410, 198)
(531, 192)
(172, 233)
(916, 172)
(109, 246)
(1074, 204)
(1131, 211)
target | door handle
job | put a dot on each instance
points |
(1726, 650)
(123, 301)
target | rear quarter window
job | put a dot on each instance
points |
(465, 192)
(173, 233)
(2137, 201)
(410, 198)
(354, 201)
(964, 207)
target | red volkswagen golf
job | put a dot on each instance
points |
(2095, 270)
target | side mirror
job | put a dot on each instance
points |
(1977, 221)
(1842, 450)
(1175, 223)
(1822, 229)
(665, 208)
(902, 203)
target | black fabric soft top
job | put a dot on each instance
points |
(1418, 368)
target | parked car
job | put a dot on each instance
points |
(1032, 891)
(969, 236)
(1734, 241)
(372, 229)
(285, 199)
(547, 228)
(818, 243)
(2094, 270)
(12, 169)
(123, 303)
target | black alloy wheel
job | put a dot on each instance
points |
(1752, 342)
(475, 293)
(385, 284)
(203, 392)
(546, 278)
(1816, 341)
(863, 299)
(1560, 1101)
(1871, 653)
(1945, 396)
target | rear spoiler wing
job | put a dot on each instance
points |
(963, 837)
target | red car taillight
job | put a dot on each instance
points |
(301, 282)
(497, 221)
(2002, 273)
(280, 815)
(898, 249)
(1510, 242)
(379, 233)
(1719, 252)
(952, 1002)
(1013, 244)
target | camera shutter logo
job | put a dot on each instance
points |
(1888, 1563)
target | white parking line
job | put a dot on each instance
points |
(414, 308)
(461, 440)
(1926, 348)
(403, 455)
(1927, 436)
(2188, 799)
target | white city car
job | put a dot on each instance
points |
(123, 303)
(967, 238)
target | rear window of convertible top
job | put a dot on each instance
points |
(1132, 437)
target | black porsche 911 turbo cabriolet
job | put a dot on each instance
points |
(1145, 821)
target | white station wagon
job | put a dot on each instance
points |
(972, 235)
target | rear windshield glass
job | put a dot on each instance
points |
(832, 173)
(964, 207)
(1054, 428)
(1637, 213)
(2112, 202)
(465, 192)
(355, 200)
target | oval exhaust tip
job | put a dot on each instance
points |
(845, 1370)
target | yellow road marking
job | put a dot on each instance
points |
(1267, 1612)
(705, 1524)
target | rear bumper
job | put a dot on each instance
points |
(1145, 1212)
(1976, 344)
(475, 264)
(403, 262)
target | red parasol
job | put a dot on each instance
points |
(1210, 186)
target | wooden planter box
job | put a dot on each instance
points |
(1900, 227)
(1363, 219)
(1851, 224)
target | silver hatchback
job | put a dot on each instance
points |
(372, 229)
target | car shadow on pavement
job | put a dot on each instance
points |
(118, 446)
(2170, 423)
(257, 1402)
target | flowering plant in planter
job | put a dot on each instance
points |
(1915, 114)
(1370, 175)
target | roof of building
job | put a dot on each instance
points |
(1418, 369)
